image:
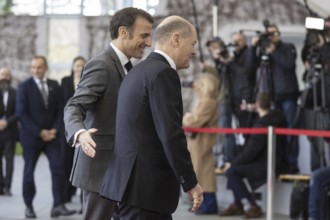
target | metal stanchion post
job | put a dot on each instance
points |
(270, 171)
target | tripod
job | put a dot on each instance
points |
(314, 96)
(265, 82)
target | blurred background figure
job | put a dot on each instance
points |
(8, 131)
(277, 76)
(237, 81)
(40, 112)
(316, 202)
(251, 163)
(68, 86)
(315, 102)
(204, 114)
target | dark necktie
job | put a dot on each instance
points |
(44, 93)
(128, 66)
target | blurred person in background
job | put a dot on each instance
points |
(280, 68)
(237, 80)
(40, 112)
(8, 131)
(251, 163)
(204, 114)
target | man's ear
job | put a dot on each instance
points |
(122, 31)
(176, 40)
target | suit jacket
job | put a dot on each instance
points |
(11, 132)
(33, 114)
(150, 158)
(94, 106)
(254, 154)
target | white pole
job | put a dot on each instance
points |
(270, 171)
(215, 18)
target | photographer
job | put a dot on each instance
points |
(234, 77)
(316, 102)
(282, 81)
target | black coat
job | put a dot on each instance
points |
(11, 131)
(254, 154)
(282, 64)
(150, 158)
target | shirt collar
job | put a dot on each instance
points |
(122, 57)
(167, 57)
(38, 81)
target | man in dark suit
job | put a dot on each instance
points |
(8, 131)
(92, 109)
(150, 158)
(39, 109)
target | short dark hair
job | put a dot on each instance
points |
(42, 58)
(126, 17)
(214, 40)
(264, 100)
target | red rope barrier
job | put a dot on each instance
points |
(280, 131)
(227, 130)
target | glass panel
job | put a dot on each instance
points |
(63, 6)
(92, 8)
(28, 7)
(63, 46)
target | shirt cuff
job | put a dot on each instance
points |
(75, 143)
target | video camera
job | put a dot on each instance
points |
(316, 28)
(264, 37)
(224, 48)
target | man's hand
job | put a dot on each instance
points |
(255, 41)
(226, 166)
(3, 124)
(196, 195)
(46, 135)
(270, 48)
(86, 142)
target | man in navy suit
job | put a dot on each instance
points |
(150, 158)
(8, 131)
(39, 109)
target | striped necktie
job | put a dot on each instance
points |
(44, 93)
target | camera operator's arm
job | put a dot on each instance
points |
(284, 55)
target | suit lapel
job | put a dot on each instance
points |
(112, 54)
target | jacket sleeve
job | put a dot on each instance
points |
(91, 87)
(285, 56)
(22, 111)
(166, 108)
(255, 145)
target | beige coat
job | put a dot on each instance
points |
(204, 114)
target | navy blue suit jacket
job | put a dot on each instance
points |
(150, 158)
(33, 114)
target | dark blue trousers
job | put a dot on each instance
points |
(31, 155)
(235, 175)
